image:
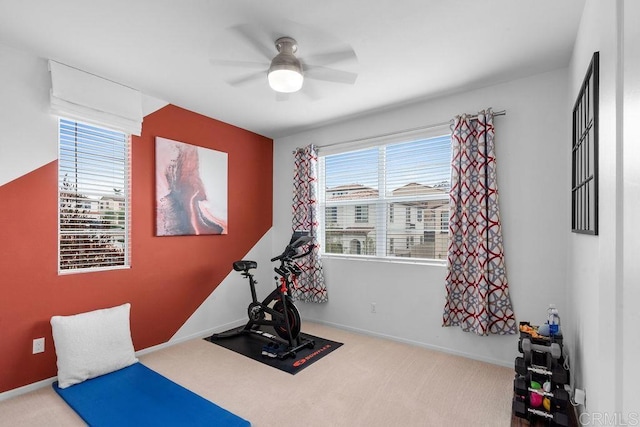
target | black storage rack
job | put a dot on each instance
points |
(542, 360)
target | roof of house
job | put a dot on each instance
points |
(359, 191)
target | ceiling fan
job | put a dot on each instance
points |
(286, 72)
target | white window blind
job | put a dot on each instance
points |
(93, 200)
(390, 200)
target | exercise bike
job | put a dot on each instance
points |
(277, 309)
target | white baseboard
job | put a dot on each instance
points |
(197, 335)
(202, 334)
(27, 388)
(416, 343)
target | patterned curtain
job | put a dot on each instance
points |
(311, 286)
(477, 290)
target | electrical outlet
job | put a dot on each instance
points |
(579, 397)
(38, 345)
(373, 307)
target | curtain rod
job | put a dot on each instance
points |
(431, 126)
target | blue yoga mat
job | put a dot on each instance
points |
(139, 396)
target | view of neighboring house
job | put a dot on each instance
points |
(412, 221)
(97, 223)
(107, 209)
(112, 216)
(111, 210)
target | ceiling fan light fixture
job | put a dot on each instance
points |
(285, 80)
(285, 72)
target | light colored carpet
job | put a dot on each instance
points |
(367, 382)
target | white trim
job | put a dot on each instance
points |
(27, 388)
(83, 139)
(196, 335)
(431, 131)
(472, 356)
(395, 260)
(202, 334)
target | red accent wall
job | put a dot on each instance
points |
(169, 277)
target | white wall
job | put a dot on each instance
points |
(604, 270)
(29, 130)
(595, 286)
(532, 156)
(30, 138)
(630, 297)
(226, 307)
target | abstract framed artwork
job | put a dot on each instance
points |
(584, 154)
(191, 189)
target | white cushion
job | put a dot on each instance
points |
(92, 344)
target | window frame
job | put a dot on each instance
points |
(103, 218)
(384, 207)
(584, 153)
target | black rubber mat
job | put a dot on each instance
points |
(252, 346)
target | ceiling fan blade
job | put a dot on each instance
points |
(239, 64)
(249, 34)
(330, 58)
(310, 90)
(329, 74)
(248, 79)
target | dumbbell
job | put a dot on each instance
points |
(560, 398)
(561, 419)
(557, 418)
(554, 348)
(520, 386)
(520, 366)
(559, 375)
(519, 408)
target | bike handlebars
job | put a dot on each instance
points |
(290, 251)
(279, 257)
(290, 254)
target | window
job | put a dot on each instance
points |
(363, 188)
(584, 154)
(362, 214)
(331, 214)
(93, 198)
(444, 221)
(409, 242)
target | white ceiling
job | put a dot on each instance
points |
(407, 50)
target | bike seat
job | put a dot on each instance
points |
(244, 265)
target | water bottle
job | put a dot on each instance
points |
(553, 320)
